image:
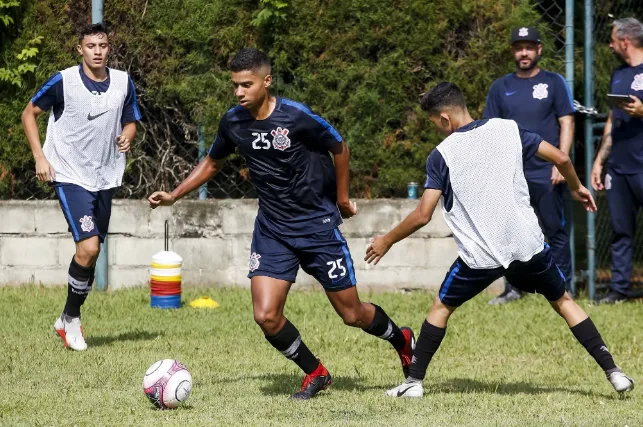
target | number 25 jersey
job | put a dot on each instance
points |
(289, 163)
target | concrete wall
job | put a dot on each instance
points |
(213, 237)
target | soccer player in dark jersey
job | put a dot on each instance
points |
(540, 101)
(91, 125)
(303, 196)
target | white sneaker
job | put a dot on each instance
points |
(620, 381)
(407, 390)
(71, 332)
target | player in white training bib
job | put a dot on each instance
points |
(477, 175)
(91, 124)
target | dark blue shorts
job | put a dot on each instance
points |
(538, 275)
(87, 212)
(323, 255)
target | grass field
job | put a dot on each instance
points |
(515, 365)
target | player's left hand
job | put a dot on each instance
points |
(583, 195)
(378, 246)
(348, 209)
(556, 177)
(634, 108)
(123, 143)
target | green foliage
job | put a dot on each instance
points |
(4, 17)
(361, 64)
(15, 74)
(272, 12)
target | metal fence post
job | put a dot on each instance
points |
(589, 142)
(569, 76)
(101, 262)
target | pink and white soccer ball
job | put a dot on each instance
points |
(167, 383)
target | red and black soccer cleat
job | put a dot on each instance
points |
(406, 354)
(313, 383)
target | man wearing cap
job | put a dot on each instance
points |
(622, 148)
(540, 101)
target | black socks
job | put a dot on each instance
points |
(587, 334)
(383, 327)
(289, 343)
(79, 284)
(425, 347)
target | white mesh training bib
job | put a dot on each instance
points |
(491, 218)
(81, 144)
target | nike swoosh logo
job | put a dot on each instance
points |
(401, 393)
(509, 93)
(90, 117)
(616, 81)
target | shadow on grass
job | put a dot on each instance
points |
(97, 341)
(468, 385)
(287, 384)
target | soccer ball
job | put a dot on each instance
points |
(167, 383)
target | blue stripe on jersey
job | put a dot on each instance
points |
(234, 109)
(137, 112)
(52, 81)
(447, 283)
(317, 118)
(347, 255)
(569, 93)
(67, 212)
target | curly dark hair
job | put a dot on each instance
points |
(91, 29)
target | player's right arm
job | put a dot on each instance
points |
(205, 170)
(564, 165)
(603, 154)
(534, 145)
(221, 148)
(44, 171)
(50, 95)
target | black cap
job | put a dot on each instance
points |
(526, 34)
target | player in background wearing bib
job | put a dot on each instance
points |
(477, 175)
(91, 125)
(303, 196)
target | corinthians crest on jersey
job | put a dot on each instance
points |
(540, 91)
(280, 138)
(637, 83)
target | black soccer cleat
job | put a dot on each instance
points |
(613, 297)
(313, 383)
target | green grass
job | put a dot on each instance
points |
(515, 365)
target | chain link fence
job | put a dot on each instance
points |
(553, 18)
(605, 12)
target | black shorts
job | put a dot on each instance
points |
(87, 212)
(538, 275)
(324, 255)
